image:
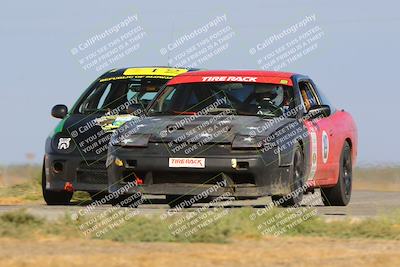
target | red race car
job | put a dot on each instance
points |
(243, 133)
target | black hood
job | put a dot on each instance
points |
(192, 129)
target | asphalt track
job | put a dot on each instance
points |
(364, 204)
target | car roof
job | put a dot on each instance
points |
(241, 73)
(258, 76)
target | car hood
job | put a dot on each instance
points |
(210, 129)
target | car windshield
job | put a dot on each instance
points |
(110, 95)
(252, 99)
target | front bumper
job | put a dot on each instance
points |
(85, 174)
(254, 174)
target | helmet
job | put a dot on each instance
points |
(271, 93)
(278, 93)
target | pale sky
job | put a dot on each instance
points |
(355, 62)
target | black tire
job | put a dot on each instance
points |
(178, 201)
(340, 194)
(296, 181)
(54, 197)
(128, 201)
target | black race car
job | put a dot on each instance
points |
(241, 134)
(76, 150)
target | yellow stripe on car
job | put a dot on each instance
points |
(149, 73)
(154, 71)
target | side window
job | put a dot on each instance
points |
(96, 99)
(104, 97)
(310, 98)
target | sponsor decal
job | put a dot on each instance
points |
(314, 160)
(110, 123)
(284, 81)
(63, 143)
(187, 162)
(149, 73)
(325, 147)
(154, 71)
(228, 79)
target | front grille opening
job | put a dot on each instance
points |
(91, 177)
(92, 172)
(242, 165)
(131, 163)
(93, 165)
(186, 177)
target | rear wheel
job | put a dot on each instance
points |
(296, 181)
(54, 197)
(181, 201)
(340, 194)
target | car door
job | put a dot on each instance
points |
(321, 134)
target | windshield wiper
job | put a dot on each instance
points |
(152, 113)
(221, 110)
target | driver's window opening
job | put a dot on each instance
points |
(308, 94)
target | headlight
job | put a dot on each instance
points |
(249, 142)
(136, 140)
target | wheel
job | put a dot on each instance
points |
(178, 201)
(128, 201)
(340, 194)
(54, 197)
(296, 181)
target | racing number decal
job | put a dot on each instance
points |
(325, 146)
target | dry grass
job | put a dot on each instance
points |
(386, 179)
(271, 251)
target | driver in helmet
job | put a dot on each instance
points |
(269, 97)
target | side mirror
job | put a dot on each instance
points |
(319, 111)
(59, 111)
(135, 109)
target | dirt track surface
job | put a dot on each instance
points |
(363, 204)
(283, 251)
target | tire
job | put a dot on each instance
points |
(175, 201)
(296, 181)
(340, 194)
(128, 201)
(54, 197)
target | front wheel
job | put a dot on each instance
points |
(296, 182)
(54, 197)
(340, 194)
